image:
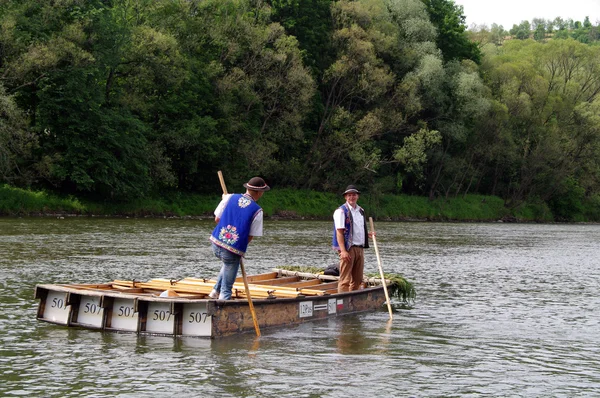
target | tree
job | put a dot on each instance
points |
(413, 153)
(16, 143)
(311, 23)
(539, 27)
(497, 33)
(560, 24)
(523, 30)
(449, 20)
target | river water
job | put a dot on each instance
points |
(501, 310)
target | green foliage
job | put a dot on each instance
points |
(534, 210)
(413, 154)
(17, 143)
(398, 207)
(95, 148)
(473, 207)
(592, 208)
(401, 288)
(568, 202)
(452, 39)
(300, 203)
(310, 22)
(172, 204)
(467, 208)
(16, 201)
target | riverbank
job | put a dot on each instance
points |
(277, 204)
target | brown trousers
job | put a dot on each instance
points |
(351, 272)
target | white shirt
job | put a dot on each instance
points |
(358, 223)
(256, 229)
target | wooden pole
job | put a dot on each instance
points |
(244, 277)
(222, 181)
(387, 296)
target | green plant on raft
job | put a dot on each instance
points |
(401, 288)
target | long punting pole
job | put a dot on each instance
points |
(387, 296)
(244, 277)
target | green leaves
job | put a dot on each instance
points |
(413, 154)
(452, 39)
(17, 143)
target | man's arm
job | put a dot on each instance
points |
(221, 207)
(344, 255)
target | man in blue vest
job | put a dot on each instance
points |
(239, 218)
(350, 237)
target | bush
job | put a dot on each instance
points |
(14, 201)
(567, 204)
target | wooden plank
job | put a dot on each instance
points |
(132, 290)
(311, 292)
(198, 286)
(202, 280)
(121, 283)
(309, 282)
(258, 277)
(280, 281)
(178, 288)
(326, 286)
(92, 286)
(241, 293)
(266, 291)
(283, 290)
(186, 282)
(205, 288)
(193, 295)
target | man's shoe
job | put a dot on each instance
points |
(214, 294)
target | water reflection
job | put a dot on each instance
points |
(351, 339)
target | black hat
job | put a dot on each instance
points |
(256, 184)
(351, 189)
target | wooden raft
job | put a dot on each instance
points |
(261, 286)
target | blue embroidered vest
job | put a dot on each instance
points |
(233, 229)
(348, 225)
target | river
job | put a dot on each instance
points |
(501, 310)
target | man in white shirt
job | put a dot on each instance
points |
(350, 238)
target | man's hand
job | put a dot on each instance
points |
(345, 256)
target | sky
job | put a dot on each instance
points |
(510, 12)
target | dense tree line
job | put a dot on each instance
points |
(112, 99)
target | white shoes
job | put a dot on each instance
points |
(214, 294)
